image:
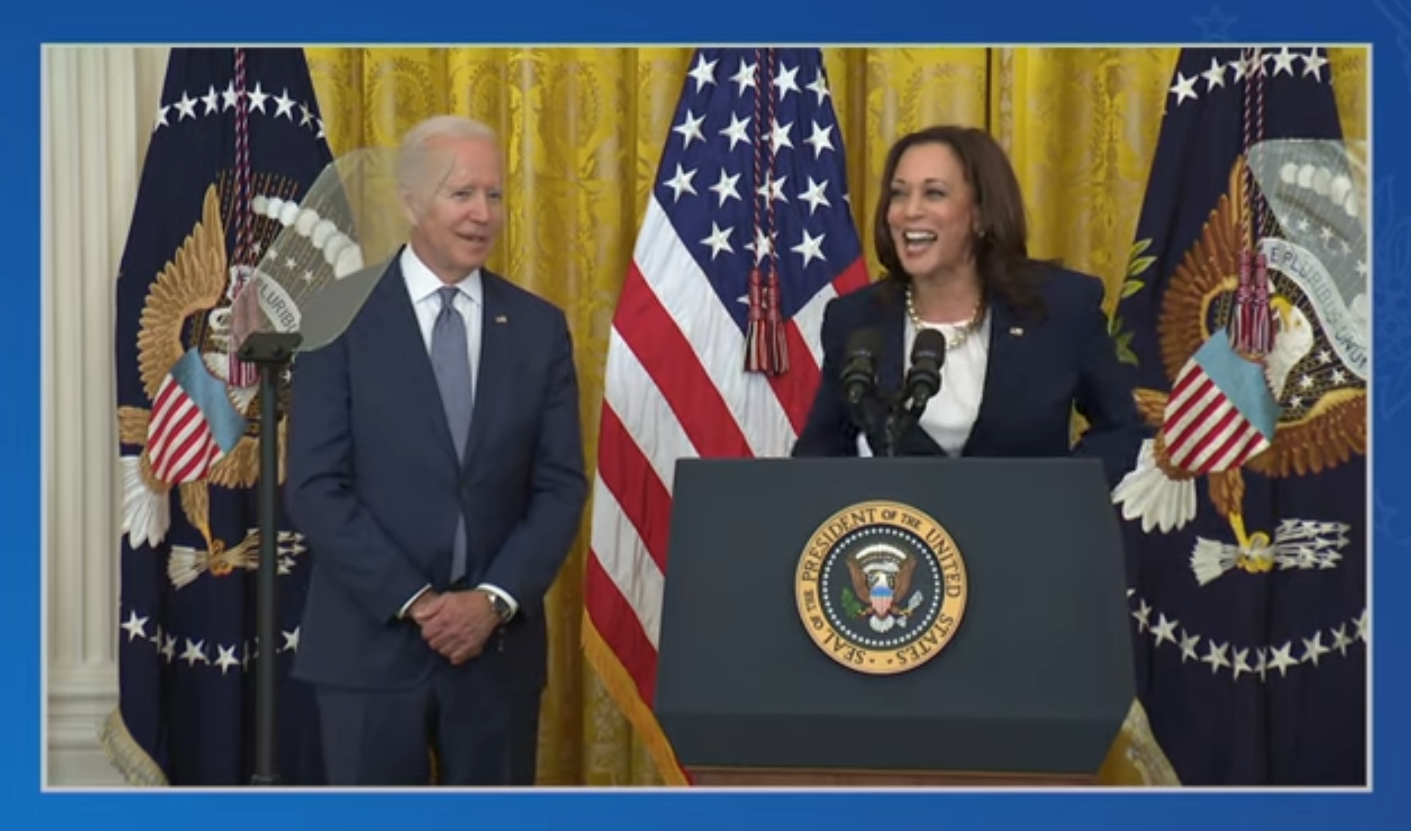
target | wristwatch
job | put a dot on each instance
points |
(500, 606)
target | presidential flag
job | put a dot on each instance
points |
(236, 141)
(1244, 317)
(714, 349)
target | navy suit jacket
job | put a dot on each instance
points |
(1038, 370)
(375, 486)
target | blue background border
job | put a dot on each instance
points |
(1384, 23)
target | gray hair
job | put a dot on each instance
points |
(413, 155)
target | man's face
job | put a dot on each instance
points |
(457, 207)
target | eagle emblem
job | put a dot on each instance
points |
(1297, 410)
(881, 578)
(201, 430)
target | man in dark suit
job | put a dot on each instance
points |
(435, 468)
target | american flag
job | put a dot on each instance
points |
(714, 349)
(1220, 414)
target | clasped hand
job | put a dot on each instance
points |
(456, 624)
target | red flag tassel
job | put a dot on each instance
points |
(754, 352)
(1252, 324)
(779, 355)
(765, 346)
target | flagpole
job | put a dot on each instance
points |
(271, 352)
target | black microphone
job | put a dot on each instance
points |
(923, 380)
(859, 375)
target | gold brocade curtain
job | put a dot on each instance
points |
(584, 128)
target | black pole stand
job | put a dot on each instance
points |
(271, 352)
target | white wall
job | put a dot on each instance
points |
(99, 105)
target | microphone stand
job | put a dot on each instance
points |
(900, 418)
(271, 352)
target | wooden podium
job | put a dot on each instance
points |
(1031, 689)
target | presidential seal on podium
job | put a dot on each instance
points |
(881, 587)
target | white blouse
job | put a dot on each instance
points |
(950, 415)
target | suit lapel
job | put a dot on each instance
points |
(493, 375)
(999, 366)
(891, 319)
(404, 348)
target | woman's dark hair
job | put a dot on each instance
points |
(1002, 247)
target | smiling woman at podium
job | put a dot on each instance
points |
(967, 346)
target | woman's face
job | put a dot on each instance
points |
(932, 212)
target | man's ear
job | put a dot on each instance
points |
(411, 206)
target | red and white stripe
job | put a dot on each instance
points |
(676, 388)
(180, 444)
(1204, 431)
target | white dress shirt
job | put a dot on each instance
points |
(423, 287)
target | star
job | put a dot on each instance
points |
(815, 195)
(1313, 649)
(212, 101)
(1215, 657)
(284, 105)
(1142, 615)
(1340, 640)
(1281, 659)
(1214, 76)
(1164, 630)
(775, 189)
(725, 188)
(1242, 67)
(1313, 64)
(785, 82)
(1184, 88)
(1363, 625)
(736, 132)
(779, 135)
(744, 78)
(703, 73)
(257, 98)
(169, 648)
(226, 659)
(763, 246)
(1283, 61)
(161, 120)
(690, 128)
(719, 240)
(1242, 663)
(819, 139)
(306, 116)
(230, 97)
(186, 106)
(1215, 26)
(136, 627)
(681, 183)
(195, 652)
(1188, 644)
(810, 248)
(291, 640)
(819, 87)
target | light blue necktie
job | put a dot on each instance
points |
(450, 358)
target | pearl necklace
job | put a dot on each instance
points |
(962, 333)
